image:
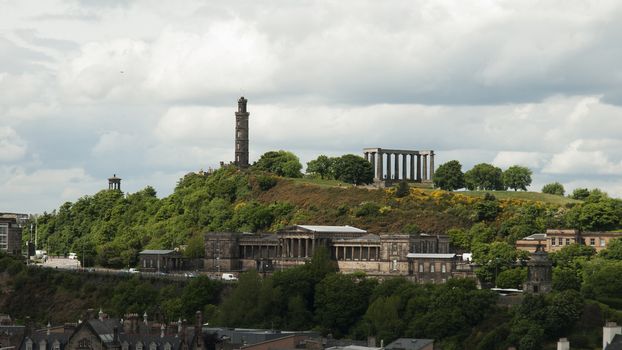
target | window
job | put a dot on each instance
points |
(567, 241)
(394, 265)
(432, 267)
(602, 242)
(443, 268)
(592, 241)
(560, 241)
(552, 241)
(420, 267)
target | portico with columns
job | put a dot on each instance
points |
(396, 165)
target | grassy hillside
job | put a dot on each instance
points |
(111, 227)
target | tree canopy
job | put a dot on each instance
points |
(449, 176)
(554, 188)
(353, 169)
(517, 177)
(484, 177)
(282, 163)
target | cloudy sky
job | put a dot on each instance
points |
(147, 90)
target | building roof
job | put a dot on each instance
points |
(431, 255)
(368, 237)
(353, 347)
(616, 343)
(409, 344)
(320, 228)
(536, 237)
(157, 251)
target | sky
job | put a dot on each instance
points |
(147, 90)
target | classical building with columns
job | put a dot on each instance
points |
(392, 165)
(352, 249)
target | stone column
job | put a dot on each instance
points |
(388, 173)
(412, 167)
(418, 167)
(312, 246)
(379, 166)
(360, 253)
(425, 167)
(298, 255)
(397, 166)
(306, 248)
(372, 160)
(431, 165)
(336, 253)
(366, 156)
(404, 167)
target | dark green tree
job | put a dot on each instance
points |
(613, 251)
(322, 166)
(580, 193)
(281, 163)
(353, 169)
(484, 177)
(402, 189)
(517, 177)
(449, 176)
(554, 188)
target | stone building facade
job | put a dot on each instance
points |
(556, 239)
(539, 272)
(10, 235)
(351, 248)
(241, 134)
(392, 165)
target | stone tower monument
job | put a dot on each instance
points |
(114, 183)
(539, 272)
(241, 134)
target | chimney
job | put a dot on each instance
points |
(162, 328)
(382, 343)
(563, 344)
(609, 331)
(145, 320)
(179, 326)
(115, 334)
(48, 328)
(100, 314)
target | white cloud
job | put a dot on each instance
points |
(577, 159)
(12, 147)
(531, 160)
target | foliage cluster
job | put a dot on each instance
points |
(348, 168)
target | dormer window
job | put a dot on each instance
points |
(139, 346)
(56, 345)
(125, 346)
(28, 344)
(153, 346)
(42, 345)
(167, 346)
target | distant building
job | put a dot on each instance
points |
(10, 235)
(160, 260)
(555, 239)
(241, 134)
(530, 243)
(539, 272)
(351, 248)
(114, 183)
(411, 344)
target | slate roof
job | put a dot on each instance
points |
(431, 255)
(368, 237)
(157, 251)
(409, 344)
(616, 343)
(330, 229)
(536, 237)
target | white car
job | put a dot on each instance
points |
(229, 277)
(133, 270)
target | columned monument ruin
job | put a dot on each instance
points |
(241, 134)
(395, 165)
(114, 183)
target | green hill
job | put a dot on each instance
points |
(110, 228)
